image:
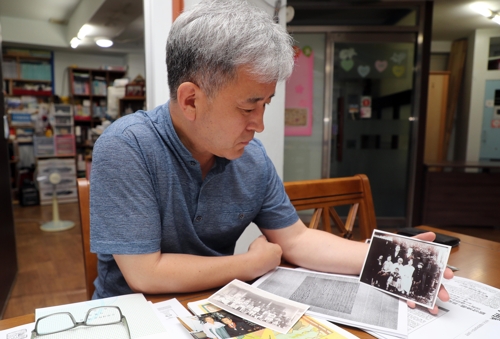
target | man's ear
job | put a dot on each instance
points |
(188, 95)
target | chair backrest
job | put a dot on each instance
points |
(90, 259)
(323, 195)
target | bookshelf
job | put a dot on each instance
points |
(88, 93)
(28, 72)
(129, 105)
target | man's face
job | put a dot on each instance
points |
(227, 122)
(226, 321)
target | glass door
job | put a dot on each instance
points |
(361, 112)
(370, 96)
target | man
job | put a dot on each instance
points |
(172, 189)
(417, 287)
(397, 253)
(235, 329)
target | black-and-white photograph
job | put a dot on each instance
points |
(406, 267)
(257, 306)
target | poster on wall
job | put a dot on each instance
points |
(299, 94)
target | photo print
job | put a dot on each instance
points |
(405, 267)
(218, 325)
(257, 306)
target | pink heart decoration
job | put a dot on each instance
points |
(381, 65)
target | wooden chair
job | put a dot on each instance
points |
(90, 259)
(323, 195)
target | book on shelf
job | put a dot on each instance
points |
(99, 87)
(81, 83)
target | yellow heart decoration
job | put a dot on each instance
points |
(398, 70)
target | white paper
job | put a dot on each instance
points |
(141, 318)
(473, 312)
(19, 332)
(339, 298)
(168, 311)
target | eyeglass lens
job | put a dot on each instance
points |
(55, 323)
(103, 316)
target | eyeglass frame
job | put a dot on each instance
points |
(123, 319)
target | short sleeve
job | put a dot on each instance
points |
(124, 215)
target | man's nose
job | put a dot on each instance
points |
(257, 121)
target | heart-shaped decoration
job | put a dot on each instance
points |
(398, 70)
(363, 70)
(381, 65)
(307, 50)
(347, 64)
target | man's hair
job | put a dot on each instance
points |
(208, 42)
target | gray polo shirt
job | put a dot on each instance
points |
(147, 194)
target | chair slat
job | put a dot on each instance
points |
(329, 193)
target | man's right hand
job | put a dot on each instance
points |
(265, 255)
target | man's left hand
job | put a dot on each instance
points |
(448, 274)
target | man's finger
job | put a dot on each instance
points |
(427, 236)
(443, 294)
(448, 274)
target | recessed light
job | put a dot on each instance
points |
(103, 42)
(75, 42)
(84, 31)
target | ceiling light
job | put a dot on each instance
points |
(496, 19)
(103, 42)
(75, 42)
(84, 31)
(482, 9)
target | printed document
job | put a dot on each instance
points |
(473, 312)
(339, 298)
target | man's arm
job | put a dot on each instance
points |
(318, 250)
(169, 272)
(323, 251)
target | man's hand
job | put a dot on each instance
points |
(265, 254)
(448, 274)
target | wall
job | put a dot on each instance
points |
(476, 74)
(136, 65)
(302, 154)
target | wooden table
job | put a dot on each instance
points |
(476, 258)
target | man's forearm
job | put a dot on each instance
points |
(319, 250)
(322, 251)
(169, 272)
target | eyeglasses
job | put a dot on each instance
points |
(64, 321)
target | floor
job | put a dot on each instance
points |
(50, 264)
(51, 270)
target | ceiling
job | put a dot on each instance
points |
(123, 21)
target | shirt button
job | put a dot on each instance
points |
(241, 216)
(198, 218)
(192, 163)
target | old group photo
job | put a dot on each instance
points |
(405, 267)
